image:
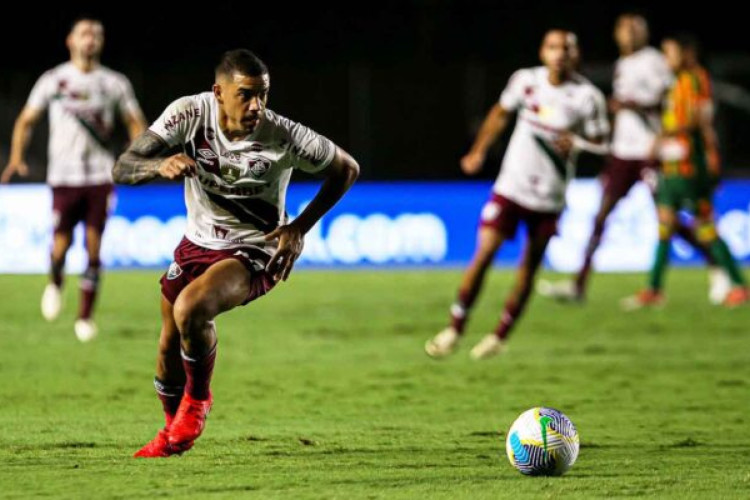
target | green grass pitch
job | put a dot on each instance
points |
(322, 390)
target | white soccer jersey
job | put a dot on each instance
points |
(642, 77)
(82, 109)
(238, 194)
(533, 173)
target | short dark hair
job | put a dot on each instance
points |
(687, 41)
(241, 61)
(83, 18)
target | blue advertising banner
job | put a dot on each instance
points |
(407, 224)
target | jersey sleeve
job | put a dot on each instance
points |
(511, 98)
(688, 99)
(595, 121)
(42, 93)
(127, 104)
(704, 88)
(705, 95)
(312, 152)
(660, 79)
(176, 123)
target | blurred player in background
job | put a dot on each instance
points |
(720, 283)
(687, 151)
(83, 97)
(641, 80)
(237, 157)
(556, 107)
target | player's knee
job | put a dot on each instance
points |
(192, 311)
(665, 231)
(61, 244)
(599, 221)
(706, 233)
(485, 254)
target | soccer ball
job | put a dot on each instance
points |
(542, 442)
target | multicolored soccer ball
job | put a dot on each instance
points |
(542, 442)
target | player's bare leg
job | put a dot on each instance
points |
(52, 296)
(652, 296)
(608, 205)
(494, 343)
(222, 287)
(169, 369)
(169, 383)
(85, 327)
(575, 290)
(445, 342)
(687, 233)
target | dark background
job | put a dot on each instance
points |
(402, 85)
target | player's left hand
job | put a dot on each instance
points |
(291, 242)
(653, 153)
(564, 143)
(614, 105)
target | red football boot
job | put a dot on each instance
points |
(190, 420)
(644, 298)
(737, 296)
(159, 447)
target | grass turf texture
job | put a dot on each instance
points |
(322, 390)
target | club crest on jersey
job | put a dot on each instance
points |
(258, 166)
(174, 271)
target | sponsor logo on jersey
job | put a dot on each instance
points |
(230, 173)
(202, 152)
(207, 154)
(306, 155)
(212, 186)
(180, 117)
(63, 91)
(258, 166)
(232, 157)
(174, 271)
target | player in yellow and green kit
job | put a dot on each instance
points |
(689, 161)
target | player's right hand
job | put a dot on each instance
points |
(614, 105)
(564, 144)
(20, 168)
(472, 163)
(177, 167)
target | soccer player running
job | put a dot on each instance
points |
(556, 107)
(686, 149)
(641, 80)
(236, 157)
(83, 97)
(720, 283)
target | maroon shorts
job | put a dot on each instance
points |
(73, 204)
(191, 261)
(620, 175)
(505, 215)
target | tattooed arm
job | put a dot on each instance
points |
(145, 161)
